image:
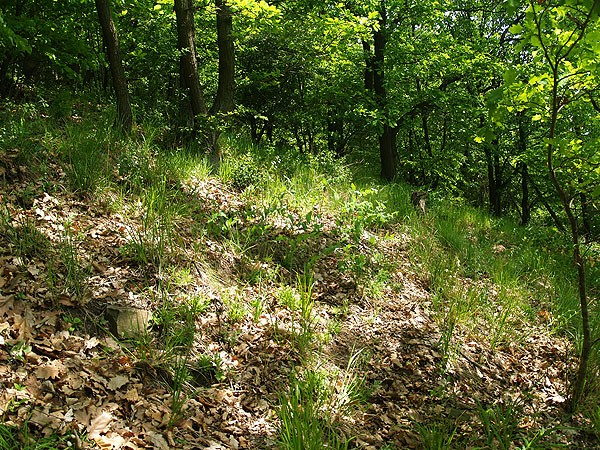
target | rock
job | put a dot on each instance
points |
(127, 322)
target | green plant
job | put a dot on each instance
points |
(289, 297)
(20, 438)
(86, 150)
(436, 435)
(73, 323)
(235, 307)
(177, 323)
(179, 385)
(19, 350)
(305, 284)
(304, 421)
(151, 243)
(23, 234)
(501, 423)
(348, 388)
(75, 272)
(209, 369)
(258, 306)
(245, 172)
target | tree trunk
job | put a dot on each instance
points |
(224, 101)
(387, 139)
(111, 44)
(387, 152)
(523, 169)
(586, 223)
(525, 204)
(586, 345)
(544, 202)
(494, 182)
(369, 66)
(188, 63)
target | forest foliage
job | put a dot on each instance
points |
(479, 103)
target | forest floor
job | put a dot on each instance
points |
(396, 382)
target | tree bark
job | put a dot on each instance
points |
(188, 63)
(586, 345)
(111, 44)
(494, 178)
(224, 101)
(585, 215)
(525, 204)
(369, 66)
(387, 138)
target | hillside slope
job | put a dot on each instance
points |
(270, 294)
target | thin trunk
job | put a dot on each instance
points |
(224, 101)
(586, 347)
(387, 152)
(330, 132)
(523, 169)
(387, 139)
(525, 204)
(369, 66)
(542, 199)
(188, 63)
(111, 44)
(426, 136)
(585, 215)
(499, 182)
(493, 168)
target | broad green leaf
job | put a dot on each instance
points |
(516, 29)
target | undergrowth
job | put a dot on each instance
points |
(488, 278)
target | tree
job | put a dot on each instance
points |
(111, 44)
(563, 38)
(224, 100)
(188, 63)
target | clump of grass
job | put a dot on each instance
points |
(501, 423)
(75, 271)
(304, 422)
(437, 435)
(20, 438)
(23, 235)
(86, 151)
(151, 243)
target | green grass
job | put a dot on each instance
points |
(487, 277)
(436, 435)
(23, 234)
(22, 438)
(304, 420)
(75, 271)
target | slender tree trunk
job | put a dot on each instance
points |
(494, 182)
(586, 347)
(525, 204)
(387, 139)
(544, 202)
(111, 44)
(188, 63)
(426, 136)
(523, 169)
(369, 66)
(585, 215)
(387, 152)
(224, 101)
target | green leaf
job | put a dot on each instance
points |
(510, 76)
(593, 38)
(516, 29)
